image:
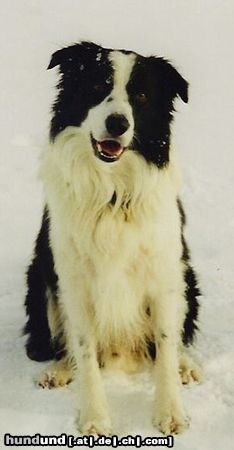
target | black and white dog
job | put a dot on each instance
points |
(111, 279)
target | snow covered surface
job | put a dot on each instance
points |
(198, 37)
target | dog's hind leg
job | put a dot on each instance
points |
(188, 369)
(38, 346)
(41, 279)
(57, 374)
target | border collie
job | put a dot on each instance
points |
(111, 280)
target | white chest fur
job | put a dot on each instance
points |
(117, 250)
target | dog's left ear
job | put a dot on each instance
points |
(181, 85)
(174, 83)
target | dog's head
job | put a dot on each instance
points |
(121, 100)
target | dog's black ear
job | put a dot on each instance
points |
(181, 85)
(73, 54)
(67, 55)
(178, 83)
(174, 83)
(59, 57)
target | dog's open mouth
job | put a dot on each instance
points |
(108, 150)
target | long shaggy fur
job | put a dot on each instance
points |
(111, 277)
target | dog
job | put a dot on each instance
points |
(111, 280)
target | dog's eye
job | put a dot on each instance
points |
(141, 98)
(99, 88)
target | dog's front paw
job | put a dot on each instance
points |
(96, 425)
(171, 420)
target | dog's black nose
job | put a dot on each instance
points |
(117, 124)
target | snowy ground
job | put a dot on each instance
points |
(198, 37)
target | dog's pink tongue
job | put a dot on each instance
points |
(111, 147)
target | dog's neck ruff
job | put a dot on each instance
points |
(97, 195)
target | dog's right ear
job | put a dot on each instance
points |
(59, 57)
(67, 55)
(74, 54)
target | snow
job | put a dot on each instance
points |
(99, 56)
(197, 37)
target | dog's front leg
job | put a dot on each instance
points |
(93, 416)
(169, 414)
(81, 345)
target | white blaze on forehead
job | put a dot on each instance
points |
(122, 64)
(95, 123)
